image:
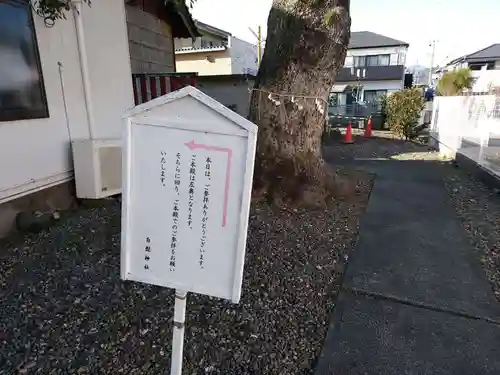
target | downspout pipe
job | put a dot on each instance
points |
(82, 52)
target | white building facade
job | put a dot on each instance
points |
(67, 83)
(71, 91)
(374, 66)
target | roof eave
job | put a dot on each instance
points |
(200, 50)
(481, 59)
(381, 46)
(212, 30)
(191, 31)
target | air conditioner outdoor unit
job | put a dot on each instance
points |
(98, 167)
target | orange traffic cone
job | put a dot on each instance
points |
(368, 128)
(348, 135)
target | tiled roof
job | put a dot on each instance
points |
(211, 29)
(367, 39)
(488, 53)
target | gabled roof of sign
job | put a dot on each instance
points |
(367, 39)
(201, 97)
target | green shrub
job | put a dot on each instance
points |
(454, 82)
(403, 111)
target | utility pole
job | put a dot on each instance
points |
(433, 45)
(258, 35)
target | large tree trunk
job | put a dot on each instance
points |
(305, 49)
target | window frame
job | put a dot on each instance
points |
(383, 91)
(7, 115)
(366, 58)
(475, 66)
(356, 59)
(385, 55)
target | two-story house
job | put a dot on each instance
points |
(484, 64)
(215, 52)
(374, 66)
(489, 57)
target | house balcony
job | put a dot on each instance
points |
(372, 73)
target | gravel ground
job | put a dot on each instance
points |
(63, 309)
(479, 209)
(383, 145)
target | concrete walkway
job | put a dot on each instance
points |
(415, 299)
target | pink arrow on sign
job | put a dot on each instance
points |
(193, 146)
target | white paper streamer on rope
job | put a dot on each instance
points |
(319, 106)
(275, 101)
(274, 97)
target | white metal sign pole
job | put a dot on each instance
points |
(178, 337)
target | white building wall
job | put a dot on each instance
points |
(485, 80)
(469, 126)
(109, 64)
(243, 57)
(204, 63)
(398, 54)
(36, 153)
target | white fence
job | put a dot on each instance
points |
(470, 126)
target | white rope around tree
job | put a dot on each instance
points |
(277, 99)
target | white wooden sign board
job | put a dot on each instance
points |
(188, 166)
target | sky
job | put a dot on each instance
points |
(458, 26)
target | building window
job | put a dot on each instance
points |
(371, 60)
(22, 93)
(373, 96)
(490, 65)
(333, 99)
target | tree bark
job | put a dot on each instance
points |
(305, 49)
